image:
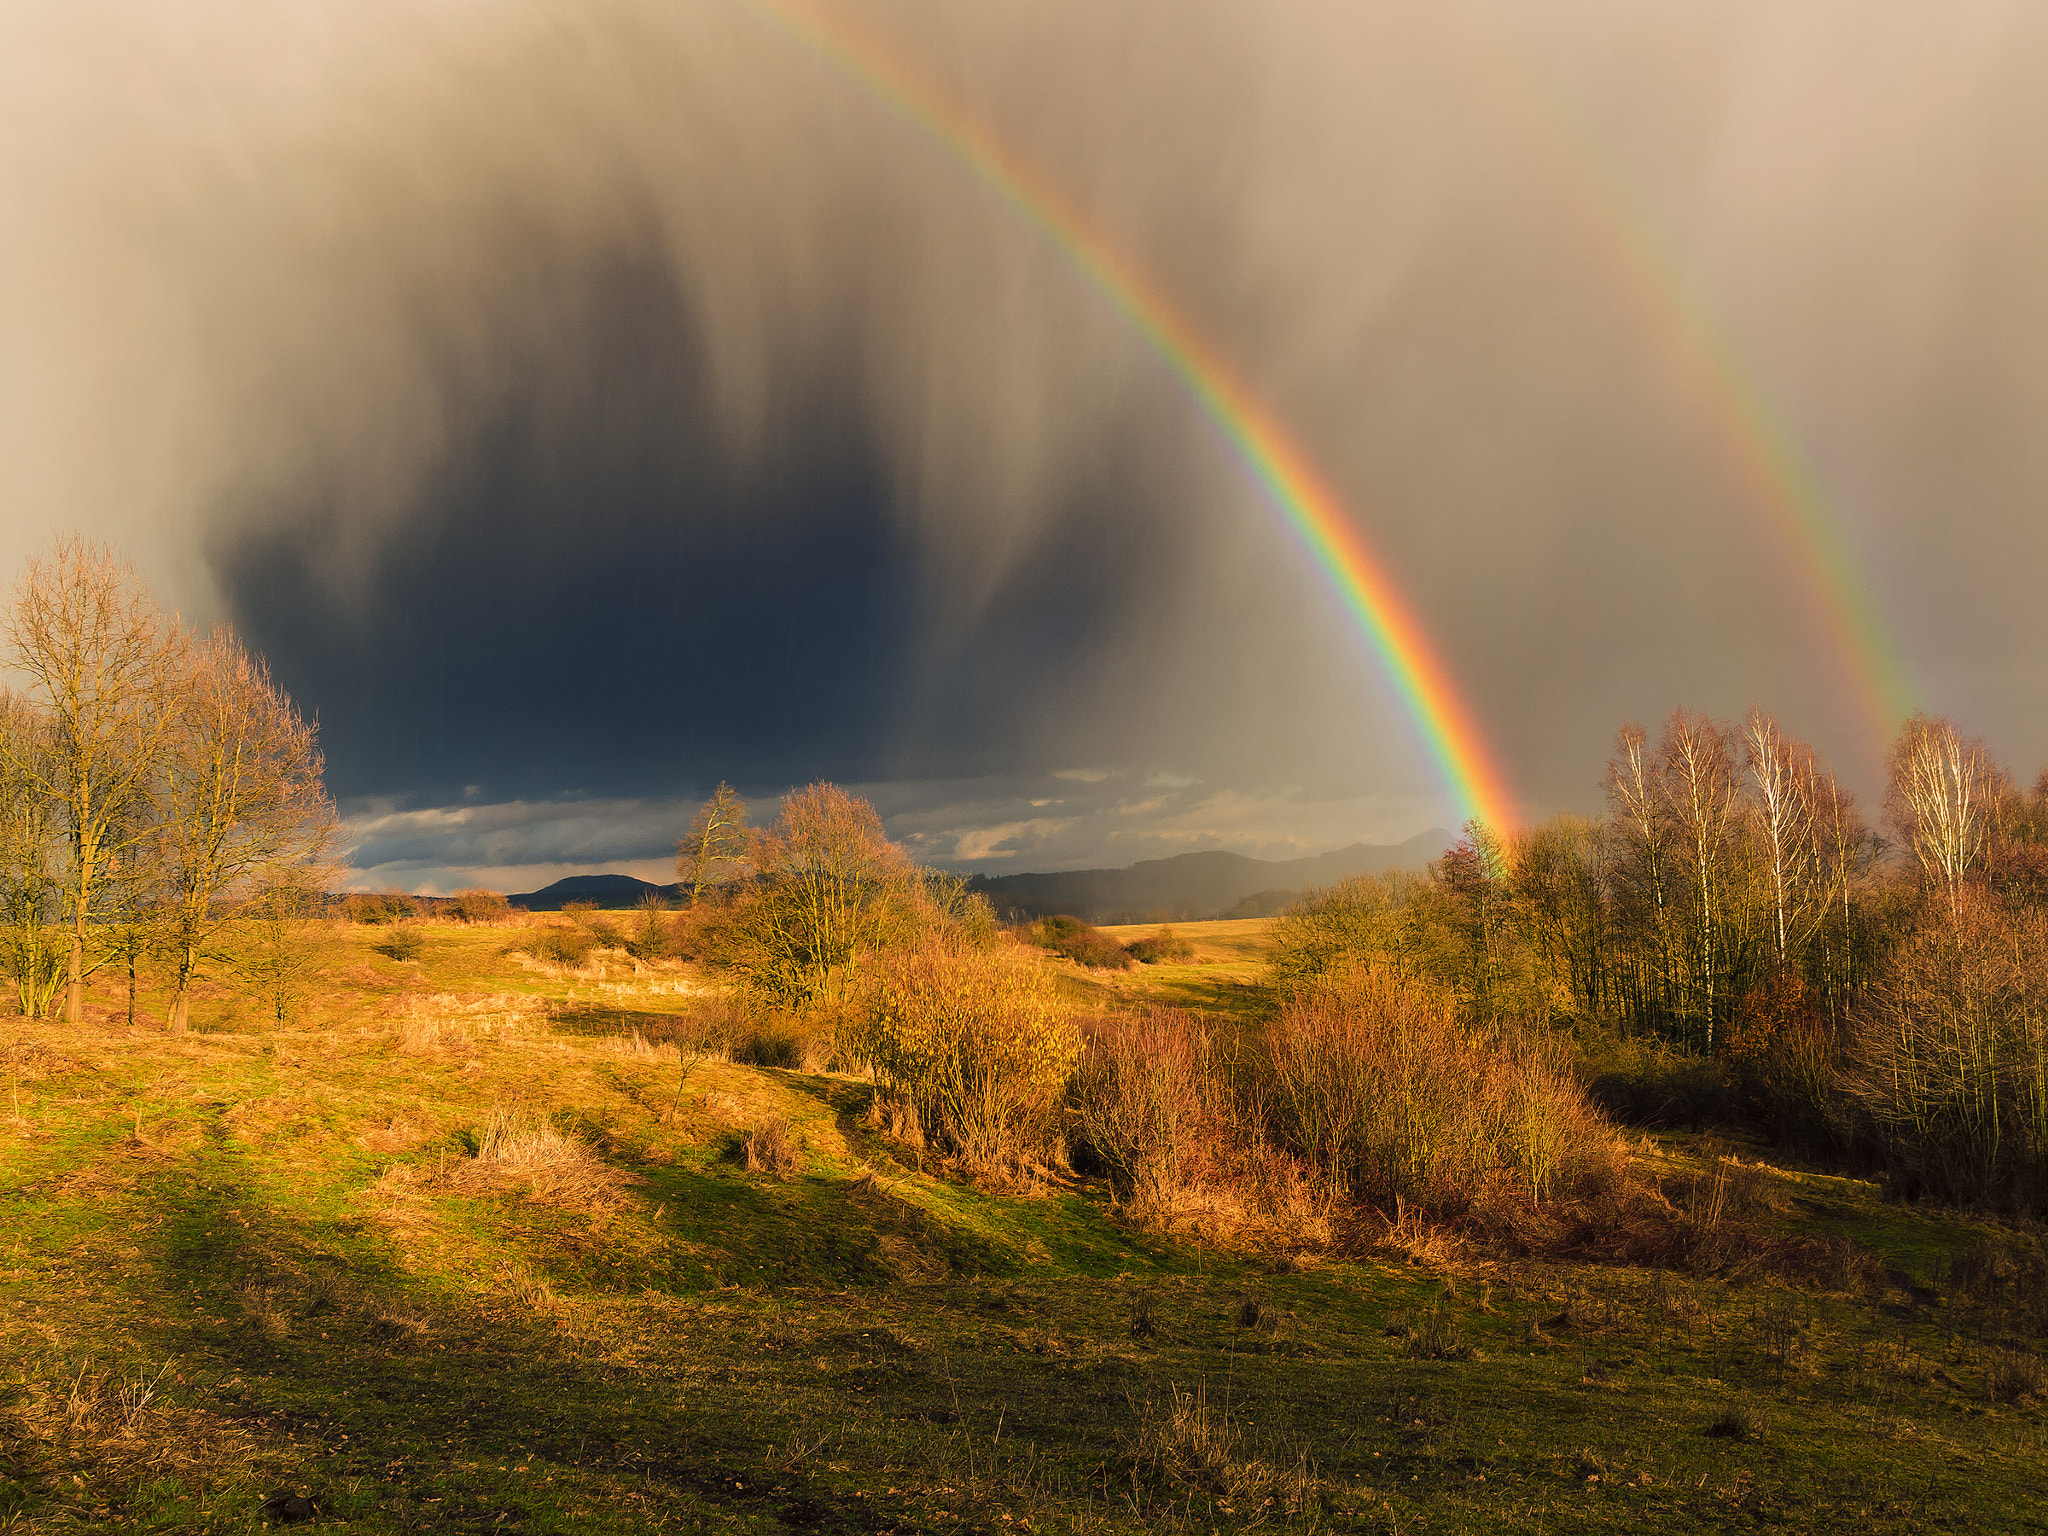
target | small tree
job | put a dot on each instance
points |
(104, 664)
(828, 887)
(283, 948)
(713, 853)
(244, 808)
(29, 854)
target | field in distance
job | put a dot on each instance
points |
(468, 1246)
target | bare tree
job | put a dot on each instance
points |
(714, 851)
(283, 949)
(829, 887)
(1941, 796)
(1783, 777)
(1696, 781)
(244, 813)
(102, 661)
(29, 857)
(1641, 864)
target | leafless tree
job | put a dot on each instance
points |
(1696, 785)
(828, 887)
(30, 854)
(714, 851)
(1783, 779)
(1942, 792)
(244, 812)
(103, 663)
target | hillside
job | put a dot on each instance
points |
(1195, 886)
(462, 1250)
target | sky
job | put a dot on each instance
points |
(581, 403)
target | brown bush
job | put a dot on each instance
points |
(379, 907)
(1162, 948)
(479, 906)
(560, 944)
(1144, 1103)
(1072, 939)
(1369, 1079)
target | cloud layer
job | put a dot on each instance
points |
(581, 403)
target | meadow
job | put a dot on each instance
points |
(472, 1243)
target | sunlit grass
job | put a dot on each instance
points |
(253, 1260)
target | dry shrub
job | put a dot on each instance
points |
(1143, 1101)
(561, 944)
(479, 906)
(1368, 1078)
(1080, 942)
(379, 907)
(403, 941)
(2006, 1278)
(2012, 1372)
(976, 1039)
(769, 1148)
(1950, 1057)
(1162, 948)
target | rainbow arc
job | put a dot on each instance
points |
(1274, 458)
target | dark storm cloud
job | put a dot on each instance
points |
(580, 404)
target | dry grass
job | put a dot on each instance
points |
(769, 1148)
(518, 1144)
(1184, 1448)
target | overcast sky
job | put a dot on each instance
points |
(580, 403)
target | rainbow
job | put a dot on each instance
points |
(1724, 396)
(1275, 460)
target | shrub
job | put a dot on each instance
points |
(1142, 1099)
(1950, 1056)
(654, 938)
(1162, 948)
(1366, 920)
(977, 1040)
(1369, 1079)
(1075, 940)
(379, 907)
(828, 888)
(560, 945)
(403, 942)
(479, 906)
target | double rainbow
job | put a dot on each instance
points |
(1311, 509)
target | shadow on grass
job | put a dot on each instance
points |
(400, 1406)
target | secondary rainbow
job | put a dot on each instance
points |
(1280, 466)
(1724, 395)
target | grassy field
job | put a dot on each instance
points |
(459, 1251)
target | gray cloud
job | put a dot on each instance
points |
(583, 402)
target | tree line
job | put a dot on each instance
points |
(156, 784)
(1879, 987)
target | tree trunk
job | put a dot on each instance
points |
(181, 1011)
(74, 990)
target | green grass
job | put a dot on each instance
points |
(252, 1259)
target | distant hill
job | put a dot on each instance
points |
(616, 892)
(1193, 886)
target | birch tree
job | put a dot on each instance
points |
(1782, 776)
(1696, 785)
(1941, 795)
(102, 662)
